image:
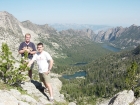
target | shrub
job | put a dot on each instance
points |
(10, 74)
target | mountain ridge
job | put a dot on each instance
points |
(100, 73)
(95, 28)
(58, 44)
(124, 38)
(38, 28)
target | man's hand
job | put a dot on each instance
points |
(30, 62)
(27, 50)
(28, 65)
(47, 72)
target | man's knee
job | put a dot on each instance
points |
(47, 84)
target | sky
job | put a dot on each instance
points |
(96, 12)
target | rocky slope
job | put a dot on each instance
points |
(10, 30)
(95, 28)
(45, 29)
(84, 32)
(109, 35)
(35, 94)
(120, 37)
(125, 97)
(13, 31)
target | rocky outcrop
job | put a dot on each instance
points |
(10, 31)
(45, 29)
(84, 32)
(37, 89)
(9, 22)
(125, 97)
(14, 97)
(109, 35)
(72, 103)
(137, 102)
(36, 94)
(120, 37)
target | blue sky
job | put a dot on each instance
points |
(97, 12)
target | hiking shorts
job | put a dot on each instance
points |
(45, 77)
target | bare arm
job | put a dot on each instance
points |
(21, 51)
(51, 64)
(32, 52)
(29, 64)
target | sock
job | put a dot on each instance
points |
(51, 97)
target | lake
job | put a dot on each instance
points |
(79, 64)
(83, 73)
(77, 74)
(111, 48)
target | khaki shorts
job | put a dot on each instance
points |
(45, 77)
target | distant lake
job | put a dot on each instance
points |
(79, 64)
(77, 74)
(83, 73)
(111, 48)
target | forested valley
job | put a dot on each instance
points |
(105, 77)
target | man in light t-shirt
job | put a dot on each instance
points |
(45, 63)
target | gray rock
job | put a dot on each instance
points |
(44, 101)
(62, 96)
(28, 99)
(123, 98)
(2, 103)
(30, 88)
(22, 103)
(7, 99)
(137, 102)
(56, 83)
(72, 103)
(36, 89)
(15, 93)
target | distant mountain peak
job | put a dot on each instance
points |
(4, 12)
(38, 28)
(28, 21)
(9, 22)
(134, 25)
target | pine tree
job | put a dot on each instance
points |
(10, 74)
(6, 63)
(131, 75)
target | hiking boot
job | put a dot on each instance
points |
(51, 99)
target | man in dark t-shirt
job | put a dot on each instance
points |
(30, 48)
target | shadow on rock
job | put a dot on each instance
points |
(112, 100)
(39, 86)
